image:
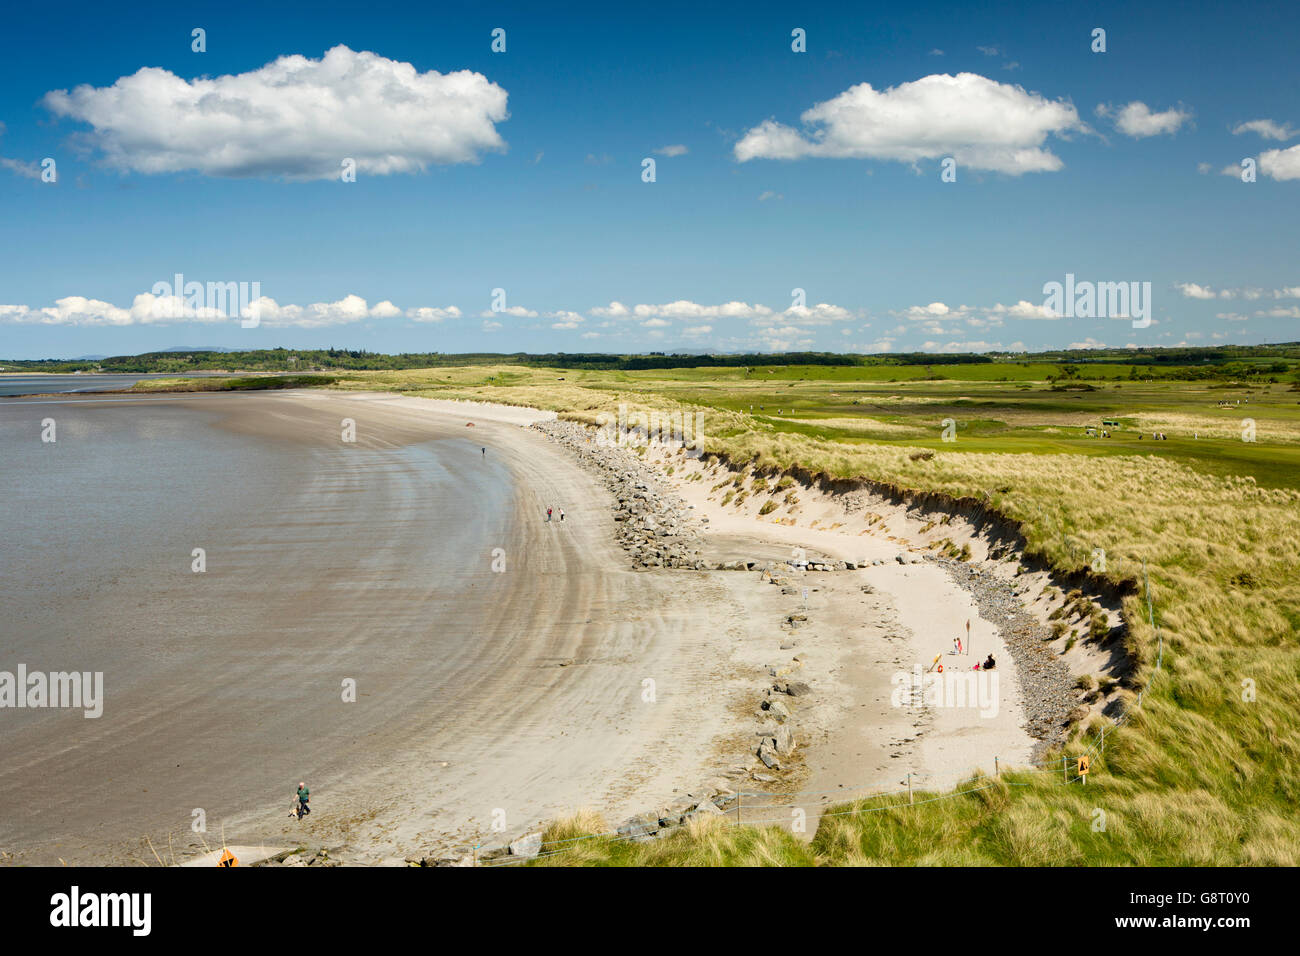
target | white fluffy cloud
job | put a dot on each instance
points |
(1139, 121)
(294, 117)
(980, 346)
(823, 313)
(1280, 163)
(1025, 310)
(149, 309)
(565, 320)
(428, 314)
(977, 317)
(926, 311)
(979, 122)
(1266, 128)
(1192, 290)
(676, 149)
(145, 309)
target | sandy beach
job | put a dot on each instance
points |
(490, 701)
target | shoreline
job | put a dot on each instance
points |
(939, 747)
(724, 645)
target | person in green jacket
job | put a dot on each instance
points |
(303, 796)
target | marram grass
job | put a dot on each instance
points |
(1205, 773)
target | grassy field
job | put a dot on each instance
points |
(1205, 773)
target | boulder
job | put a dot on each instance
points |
(527, 847)
(776, 710)
(783, 741)
(639, 829)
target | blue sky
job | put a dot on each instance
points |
(525, 174)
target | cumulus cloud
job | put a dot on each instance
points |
(1192, 290)
(565, 320)
(1266, 128)
(988, 317)
(1280, 164)
(294, 117)
(979, 346)
(1025, 310)
(926, 311)
(1139, 121)
(615, 310)
(981, 123)
(761, 316)
(349, 309)
(149, 309)
(429, 314)
(145, 309)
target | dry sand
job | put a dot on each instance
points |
(854, 739)
(542, 708)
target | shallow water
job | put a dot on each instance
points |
(325, 561)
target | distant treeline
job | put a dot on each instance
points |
(1216, 362)
(298, 360)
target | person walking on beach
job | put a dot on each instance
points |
(561, 514)
(303, 796)
(484, 452)
(548, 514)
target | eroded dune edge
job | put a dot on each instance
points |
(858, 582)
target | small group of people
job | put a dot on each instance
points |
(1155, 436)
(988, 665)
(550, 511)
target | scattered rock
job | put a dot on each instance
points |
(527, 846)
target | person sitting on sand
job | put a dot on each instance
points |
(303, 796)
(990, 663)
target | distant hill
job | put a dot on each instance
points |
(1231, 361)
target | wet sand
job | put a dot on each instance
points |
(484, 700)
